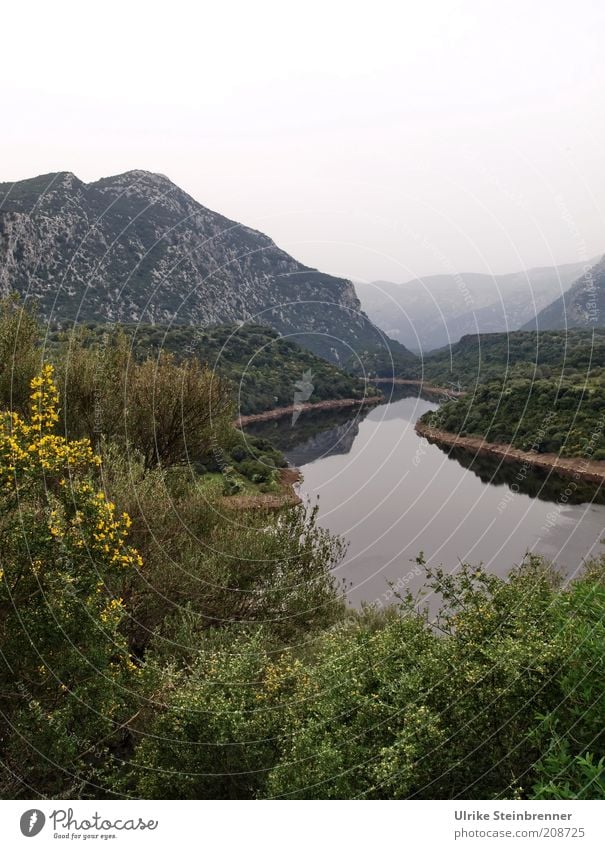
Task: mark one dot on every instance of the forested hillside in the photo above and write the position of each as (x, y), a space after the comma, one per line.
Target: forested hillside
(263, 369)
(493, 356)
(536, 391)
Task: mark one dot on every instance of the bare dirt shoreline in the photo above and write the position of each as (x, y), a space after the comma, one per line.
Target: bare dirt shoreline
(428, 388)
(335, 404)
(577, 468)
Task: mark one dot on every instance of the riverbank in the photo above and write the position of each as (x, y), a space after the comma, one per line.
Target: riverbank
(285, 497)
(335, 404)
(427, 388)
(578, 468)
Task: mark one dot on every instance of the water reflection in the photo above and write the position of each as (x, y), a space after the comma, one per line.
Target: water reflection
(315, 434)
(538, 483)
(392, 494)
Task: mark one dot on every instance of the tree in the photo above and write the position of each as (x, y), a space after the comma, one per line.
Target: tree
(176, 412)
(19, 353)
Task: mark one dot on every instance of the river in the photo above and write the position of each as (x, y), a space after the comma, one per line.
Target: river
(390, 494)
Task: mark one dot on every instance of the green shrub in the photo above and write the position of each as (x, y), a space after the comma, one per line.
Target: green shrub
(255, 471)
(402, 712)
(20, 354)
(67, 679)
(212, 736)
(572, 735)
(172, 412)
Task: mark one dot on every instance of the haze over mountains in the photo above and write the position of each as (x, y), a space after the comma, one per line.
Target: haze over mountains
(136, 248)
(435, 311)
(583, 305)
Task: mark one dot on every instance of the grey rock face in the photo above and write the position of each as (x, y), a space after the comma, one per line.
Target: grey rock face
(136, 248)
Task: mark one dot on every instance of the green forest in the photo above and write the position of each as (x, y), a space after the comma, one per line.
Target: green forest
(261, 366)
(548, 354)
(153, 647)
(543, 392)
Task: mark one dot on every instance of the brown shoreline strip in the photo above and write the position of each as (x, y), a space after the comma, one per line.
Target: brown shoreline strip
(428, 388)
(286, 497)
(335, 404)
(571, 467)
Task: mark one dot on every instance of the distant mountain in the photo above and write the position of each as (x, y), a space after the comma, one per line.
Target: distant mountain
(136, 248)
(583, 305)
(431, 312)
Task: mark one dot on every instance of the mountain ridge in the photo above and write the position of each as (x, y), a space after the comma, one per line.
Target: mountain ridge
(582, 305)
(134, 247)
(429, 312)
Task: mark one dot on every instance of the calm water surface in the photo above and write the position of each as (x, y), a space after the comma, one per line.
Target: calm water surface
(392, 495)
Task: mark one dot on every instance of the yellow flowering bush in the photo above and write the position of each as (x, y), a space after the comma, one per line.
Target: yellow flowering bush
(30, 452)
(67, 676)
(28, 447)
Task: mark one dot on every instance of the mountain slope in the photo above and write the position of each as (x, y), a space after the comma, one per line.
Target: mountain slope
(583, 305)
(430, 312)
(499, 357)
(136, 248)
(263, 368)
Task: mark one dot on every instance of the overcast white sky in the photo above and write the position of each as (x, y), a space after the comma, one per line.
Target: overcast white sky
(372, 140)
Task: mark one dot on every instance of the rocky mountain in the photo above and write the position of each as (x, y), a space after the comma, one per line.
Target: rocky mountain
(583, 305)
(136, 248)
(431, 312)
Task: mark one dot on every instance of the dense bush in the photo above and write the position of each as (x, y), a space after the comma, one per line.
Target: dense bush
(20, 354)
(170, 411)
(493, 700)
(565, 417)
(213, 729)
(248, 455)
(571, 736)
(407, 711)
(66, 675)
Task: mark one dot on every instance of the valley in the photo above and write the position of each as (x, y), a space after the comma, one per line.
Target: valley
(215, 468)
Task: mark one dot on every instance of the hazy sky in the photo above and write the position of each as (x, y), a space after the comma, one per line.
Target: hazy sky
(372, 140)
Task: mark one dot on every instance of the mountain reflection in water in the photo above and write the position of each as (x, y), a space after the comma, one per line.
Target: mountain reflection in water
(315, 434)
(391, 494)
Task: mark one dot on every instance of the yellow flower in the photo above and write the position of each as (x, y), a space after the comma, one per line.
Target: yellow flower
(31, 450)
